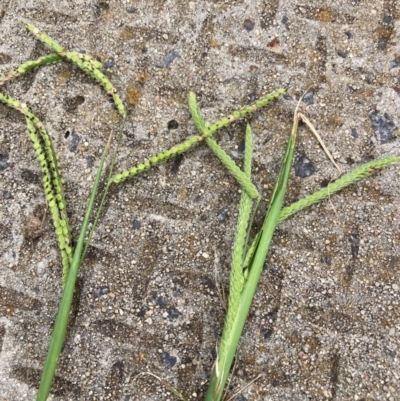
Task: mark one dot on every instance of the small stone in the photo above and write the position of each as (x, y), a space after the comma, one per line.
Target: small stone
(149, 320)
(205, 255)
(303, 167)
(222, 214)
(173, 313)
(383, 126)
(101, 291)
(168, 360)
(136, 224)
(3, 161)
(308, 98)
(7, 195)
(395, 287)
(248, 24)
(109, 63)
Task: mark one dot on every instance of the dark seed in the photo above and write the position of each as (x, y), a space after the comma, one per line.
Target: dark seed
(101, 291)
(303, 167)
(349, 34)
(168, 360)
(342, 54)
(131, 10)
(173, 124)
(248, 24)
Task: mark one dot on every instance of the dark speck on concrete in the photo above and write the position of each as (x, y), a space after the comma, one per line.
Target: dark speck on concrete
(7, 195)
(168, 360)
(3, 161)
(131, 10)
(324, 183)
(285, 21)
(267, 333)
(173, 313)
(342, 53)
(109, 63)
(29, 176)
(136, 224)
(308, 98)
(103, 290)
(354, 133)
(303, 167)
(242, 146)
(354, 244)
(394, 63)
(135, 143)
(161, 302)
(142, 311)
(382, 42)
(176, 163)
(75, 139)
(173, 124)
(248, 24)
(240, 397)
(89, 161)
(222, 214)
(383, 126)
(387, 19)
(349, 34)
(168, 59)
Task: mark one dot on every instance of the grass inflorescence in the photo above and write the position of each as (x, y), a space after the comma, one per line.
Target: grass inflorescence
(247, 258)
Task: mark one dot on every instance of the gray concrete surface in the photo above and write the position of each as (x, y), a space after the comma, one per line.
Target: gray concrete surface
(325, 323)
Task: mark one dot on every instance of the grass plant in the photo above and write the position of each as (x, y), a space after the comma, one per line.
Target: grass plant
(247, 258)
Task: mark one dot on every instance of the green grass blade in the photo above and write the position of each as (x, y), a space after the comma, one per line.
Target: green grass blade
(195, 139)
(241, 177)
(60, 326)
(357, 174)
(228, 347)
(105, 192)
